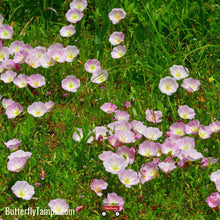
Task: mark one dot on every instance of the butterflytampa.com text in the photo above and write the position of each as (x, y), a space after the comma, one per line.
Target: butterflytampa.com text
(34, 211)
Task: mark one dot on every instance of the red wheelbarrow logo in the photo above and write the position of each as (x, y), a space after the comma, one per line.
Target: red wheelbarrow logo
(111, 207)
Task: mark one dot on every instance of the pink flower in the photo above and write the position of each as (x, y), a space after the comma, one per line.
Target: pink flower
(128, 177)
(127, 105)
(185, 112)
(153, 116)
(99, 77)
(186, 143)
(21, 81)
(213, 200)
(49, 105)
(4, 53)
(148, 149)
(215, 176)
(23, 189)
(125, 136)
(16, 164)
(7, 102)
(78, 135)
(78, 4)
(166, 167)
(20, 154)
(8, 64)
(121, 115)
(37, 109)
(6, 31)
(13, 144)
(152, 133)
(58, 206)
(21, 56)
(97, 185)
(179, 72)
(115, 163)
(47, 60)
(108, 107)
(204, 132)
(71, 53)
(16, 46)
(168, 85)
(14, 110)
(67, 31)
(100, 131)
(8, 76)
(118, 52)
(191, 154)
(33, 61)
(74, 15)
(93, 66)
(177, 128)
(70, 84)
(53, 47)
(192, 127)
(191, 85)
(116, 15)
(119, 125)
(105, 154)
(127, 153)
(215, 126)
(138, 126)
(78, 208)
(38, 51)
(169, 146)
(148, 172)
(114, 199)
(116, 38)
(59, 55)
(36, 80)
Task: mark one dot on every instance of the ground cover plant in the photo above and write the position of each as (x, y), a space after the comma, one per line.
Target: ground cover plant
(110, 102)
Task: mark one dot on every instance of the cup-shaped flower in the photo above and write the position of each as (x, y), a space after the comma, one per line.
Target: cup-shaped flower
(108, 107)
(118, 52)
(4, 53)
(205, 132)
(128, 177)
(78, 4)
(153, 116)
(215, 126)
(215, 175)
(49, 105)
(78, 135)
(116, 15)
(179, 72)
(8, 64)
(125, 136)
(168, 85)
(7, 102)
(58, 206)
(127, 153)
(67, 31)
(120, 125)
(74, 15)
(152, 133)
(20, 154)
(122, 115)
(23, 189)
(191, 154)
(105, 154)
(192, 127)
(177, 128)
(100, 131)
(21, 81)
(93, 66)
(113, 140)
(36, 80)
(16, 46)
(37, 109)
(148, 148)
(53, 47)
(21, 56)
(98, 185)
(14, 110)
(38, 51)
(191, 85)
(186, 143)
(70, 84)
(13, 144)
(33, 61)
(59, 55)
(148, 172)
(186, 112)
(6, 31)
(116, 38)
(115, 163)
(47, 60)
(71, 53)
(213, 200)
(16, 164)
(99, 77)
(169, 146)
(113, 199)
(138, 126)
(8, 76)
(166, 167)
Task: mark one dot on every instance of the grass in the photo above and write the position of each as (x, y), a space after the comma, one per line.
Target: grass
(158, 34)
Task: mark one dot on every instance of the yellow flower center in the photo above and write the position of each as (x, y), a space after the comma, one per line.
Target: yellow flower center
(115, 167)
(16, 112)
(126, 181)
(168, 87)
(178, 74)
(179, 132)
(71, 85)
(152, 172)
(5, 33)
(32, 64)
(21, 194)
(75, 17)
(37, 112)
(58, 209)
(36, 83)
(2, 55)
